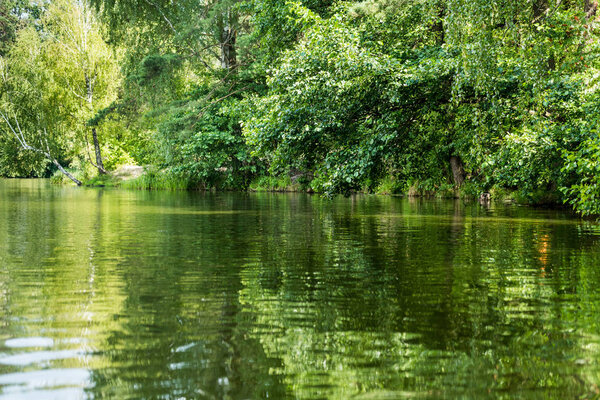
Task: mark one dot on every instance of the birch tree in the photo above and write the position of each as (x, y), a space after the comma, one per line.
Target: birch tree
(33, 111)
(56, 77)
(85, 64)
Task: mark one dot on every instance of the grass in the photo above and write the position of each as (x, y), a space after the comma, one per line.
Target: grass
(389, 185)
(159, 180)
(102, 181)
(58, 178)
(155, 179)
(152, 179)
(275, 184)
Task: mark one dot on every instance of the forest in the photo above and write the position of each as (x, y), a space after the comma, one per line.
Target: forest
(418, 97)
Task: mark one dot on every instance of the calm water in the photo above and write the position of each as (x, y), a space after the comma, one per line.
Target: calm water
(127, 294)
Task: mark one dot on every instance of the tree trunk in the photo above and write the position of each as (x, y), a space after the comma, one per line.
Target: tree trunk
(228, 42)
(590, 7)
(438, 26)
(65, 172)
(228, 51)
(99, 163)
(458, 172)
(89, 83)
(539, 8)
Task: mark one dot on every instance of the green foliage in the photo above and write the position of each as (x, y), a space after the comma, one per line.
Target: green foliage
(154, 66)
(584, 195)
(154, 179)
(273, 184)
(29, 95)
(57, 74)
(389, 185)
(321, 114)
(277, 25)
(58, 178)
(15, 14)
(16, 162)
(103, 180)
(8, 23)
(205, 143)
(374, 96)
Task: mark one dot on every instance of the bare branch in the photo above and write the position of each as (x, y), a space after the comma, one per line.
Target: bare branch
(19, 128)
(203, 111)
(162, 13)
(548, 13)
(5, 118)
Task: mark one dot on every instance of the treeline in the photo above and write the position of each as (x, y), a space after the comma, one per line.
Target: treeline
(420, 96)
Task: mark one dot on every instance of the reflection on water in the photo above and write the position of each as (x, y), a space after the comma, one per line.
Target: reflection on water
(123, 294)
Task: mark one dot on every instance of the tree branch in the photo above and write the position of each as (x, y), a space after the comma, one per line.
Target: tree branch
(547, 13)
(163, 14)
(87, 149)
(203, 111)
(21, 139)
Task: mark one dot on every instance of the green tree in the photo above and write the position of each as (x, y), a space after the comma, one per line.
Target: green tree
(56, 76)
(83, 62)
(33, 108)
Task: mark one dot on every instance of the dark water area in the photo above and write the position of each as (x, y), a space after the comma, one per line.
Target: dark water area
(158, 295)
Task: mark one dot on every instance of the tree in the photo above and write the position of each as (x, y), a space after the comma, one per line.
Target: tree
(190, 28)
(84, 62)
(186, 63)
(32, 108)
(8, 24)
(16, 14)
(57, 76)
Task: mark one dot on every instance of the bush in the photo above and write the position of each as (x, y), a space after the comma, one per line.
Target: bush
(154, 179)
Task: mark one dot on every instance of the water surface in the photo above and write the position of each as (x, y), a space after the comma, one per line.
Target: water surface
(133, 294)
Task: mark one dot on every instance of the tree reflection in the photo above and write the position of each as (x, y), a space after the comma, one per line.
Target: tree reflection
(255, 296)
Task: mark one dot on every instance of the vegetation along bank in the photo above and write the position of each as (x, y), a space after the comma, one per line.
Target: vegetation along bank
(392, 96)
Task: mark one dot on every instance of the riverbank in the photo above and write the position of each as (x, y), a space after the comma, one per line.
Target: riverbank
(151, 178)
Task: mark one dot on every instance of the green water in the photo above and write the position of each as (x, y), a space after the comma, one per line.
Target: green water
(133, 294)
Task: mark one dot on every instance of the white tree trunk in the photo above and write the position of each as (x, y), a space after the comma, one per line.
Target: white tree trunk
(18, 134)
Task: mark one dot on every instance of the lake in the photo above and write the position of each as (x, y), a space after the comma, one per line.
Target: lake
(109, 293)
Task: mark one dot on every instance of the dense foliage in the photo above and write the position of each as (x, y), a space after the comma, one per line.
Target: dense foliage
(447, 96)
